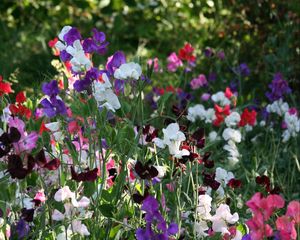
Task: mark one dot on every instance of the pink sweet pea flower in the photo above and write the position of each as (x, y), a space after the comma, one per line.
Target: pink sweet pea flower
(155, 63)
(286, 228)
(173, 62)
(293, 211)
(258, 228)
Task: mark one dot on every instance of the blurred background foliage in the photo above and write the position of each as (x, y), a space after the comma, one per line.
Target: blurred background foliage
(262, 33)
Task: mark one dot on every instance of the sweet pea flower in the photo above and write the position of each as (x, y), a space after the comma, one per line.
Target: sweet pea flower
(173, 62)
(172, 138)
(79, 58)
(222, 218)
(198, 82)
(129, 70)
(232, 134)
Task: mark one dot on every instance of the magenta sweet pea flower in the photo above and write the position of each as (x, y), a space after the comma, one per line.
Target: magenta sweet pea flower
(174, 62)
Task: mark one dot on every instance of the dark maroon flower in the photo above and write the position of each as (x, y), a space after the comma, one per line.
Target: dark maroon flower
(53, 164)
(263, 180)
(6, 140)
(234, 183)
(112, 173)
(138, 198)
(209, 180)
(27, 214)
(15, 167)
(199, 138)
(145, 171)
(87, 176)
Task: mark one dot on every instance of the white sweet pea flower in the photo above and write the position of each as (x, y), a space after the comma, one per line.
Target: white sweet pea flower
(223, 177)
(198, 111)
(79, 227)
(232, 134)
(161, 171)
(64, 194)
(204, 206)
(57, 215)
(129, 70)
(233, 152)
(293, 126)
(79, 59)
(233, 119)
(104, 95)
(172, 138)
(213, 136)
(63, 32)
(53, 126)
(222, 218)
(220, 98)
(200, 228)
(279, 107)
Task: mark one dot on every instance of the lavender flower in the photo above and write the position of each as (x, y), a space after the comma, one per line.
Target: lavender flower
(53, 107)
(243, 70)
(96, 44)
(22, 229)
(115, 62)
(51, 88)
(71, 36)
(153, 217)
(279, 87)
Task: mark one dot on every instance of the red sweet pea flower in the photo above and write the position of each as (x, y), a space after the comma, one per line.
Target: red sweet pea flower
(5, 88)
(18, 108)
(228, 93)
(186, 53)
(20, 98)
(220, 113)
(248, 117)
(52, 42)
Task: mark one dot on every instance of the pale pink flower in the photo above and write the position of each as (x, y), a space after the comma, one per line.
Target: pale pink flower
(173, 62)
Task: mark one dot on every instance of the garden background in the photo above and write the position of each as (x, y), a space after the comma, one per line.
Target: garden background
(264, 34)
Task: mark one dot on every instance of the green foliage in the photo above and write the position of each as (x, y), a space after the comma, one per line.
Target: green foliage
(262, 33)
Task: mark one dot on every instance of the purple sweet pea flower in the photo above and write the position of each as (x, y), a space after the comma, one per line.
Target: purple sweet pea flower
(205, 97)
(95, 44)
(153, 217)
(53, 107)
(119, 86)
(99, 37)
(71, 36)
(51, 88)
(243, 70)
(173, 229)
(115, 61)
(246, 237)
(221, 55)
(22, 229)
(64, 56)
(279, 87)
(208, 52)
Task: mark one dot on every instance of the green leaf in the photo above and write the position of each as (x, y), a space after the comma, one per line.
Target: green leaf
(106, 210)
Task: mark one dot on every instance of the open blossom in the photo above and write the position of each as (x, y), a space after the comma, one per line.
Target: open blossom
(5, 88)
(198, 82)
(198, 111)
(233, 152)
(222, 218)
(232, 134)
(186, 53)
(292, 123)
(279, 107)
(104, 95)
(79, 60)
(279, 87)
(248, 118)
(172, 138)
(174, 62)
(155, 63)
(129, 70)
(232, 119)
(221, 98)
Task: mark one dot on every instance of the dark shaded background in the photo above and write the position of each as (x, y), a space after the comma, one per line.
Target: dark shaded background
(262, 33)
